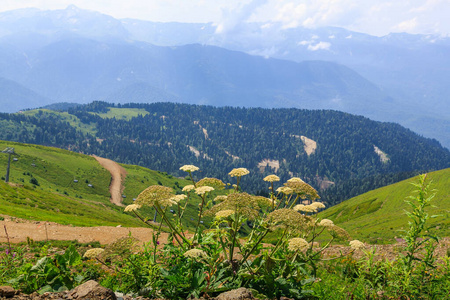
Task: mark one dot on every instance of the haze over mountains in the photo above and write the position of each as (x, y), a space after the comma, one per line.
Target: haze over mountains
(74, 55)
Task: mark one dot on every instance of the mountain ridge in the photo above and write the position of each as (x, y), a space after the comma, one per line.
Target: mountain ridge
(408, 70)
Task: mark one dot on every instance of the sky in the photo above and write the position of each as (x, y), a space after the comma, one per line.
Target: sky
(375, 17)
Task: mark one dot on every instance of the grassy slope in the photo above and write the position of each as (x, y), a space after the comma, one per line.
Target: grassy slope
(379, 215)
(65, 116)
(113, 112)
(59, 199)
(122, 113)
(139, 178)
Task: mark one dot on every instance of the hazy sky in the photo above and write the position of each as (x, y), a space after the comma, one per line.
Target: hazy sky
(376, 17)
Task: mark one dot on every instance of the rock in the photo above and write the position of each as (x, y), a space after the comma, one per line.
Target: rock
(7, 291)
(238, 294)
(91, 290)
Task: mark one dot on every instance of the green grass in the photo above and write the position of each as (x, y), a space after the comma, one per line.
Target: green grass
(74, 121)
(122, 113)
(139, 178)
(56, 171)
(379, 216)
(113, 112)
(29, 203)
(58, 198)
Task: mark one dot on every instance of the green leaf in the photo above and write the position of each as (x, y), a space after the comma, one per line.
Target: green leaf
(46, 289)
(40, 264)
(72, 256)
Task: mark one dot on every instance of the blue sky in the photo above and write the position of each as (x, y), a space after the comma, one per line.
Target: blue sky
(376, 17)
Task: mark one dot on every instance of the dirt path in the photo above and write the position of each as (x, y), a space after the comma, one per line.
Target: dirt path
(118, 174)
(19, 230)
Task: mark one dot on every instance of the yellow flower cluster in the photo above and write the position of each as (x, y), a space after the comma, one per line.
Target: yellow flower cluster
(203, 189)
(178, 198)
(317, 205)
(156, 194)
(188, 188)
(289, 218)
(189, 168)
(195, 253)
(238, 172)
(224, 213)
(301, 188)
(220, 198)
(295, 179)
(263, 201)
(242, 203)
(313, 207)
(285, 190)
(132, 207)
(122, 248)
(297, 244)
(217, 184)
(338, 232)
(271, 178)
(356, 245)
(304, 208)
(93, 253)
(326, 223)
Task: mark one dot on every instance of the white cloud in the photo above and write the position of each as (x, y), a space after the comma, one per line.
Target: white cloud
(290, 13)
(313, 46)
(304, 43)
(319, 46)
(266, 53)
(377, 17)
(406, 26)
(232, 18)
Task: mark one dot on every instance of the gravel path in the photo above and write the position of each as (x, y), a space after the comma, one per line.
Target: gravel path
(118, 173)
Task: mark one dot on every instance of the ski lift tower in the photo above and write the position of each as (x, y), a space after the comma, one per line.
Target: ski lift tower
(10, 151)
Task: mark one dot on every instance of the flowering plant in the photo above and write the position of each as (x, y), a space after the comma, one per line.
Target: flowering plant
(232, 253)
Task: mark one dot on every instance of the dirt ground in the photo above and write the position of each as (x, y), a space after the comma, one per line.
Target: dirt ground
(118, 173)
(19, 230)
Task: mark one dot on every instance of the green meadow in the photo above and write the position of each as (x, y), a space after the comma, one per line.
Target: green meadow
(70, 188)
(122, 113)
(379, 216)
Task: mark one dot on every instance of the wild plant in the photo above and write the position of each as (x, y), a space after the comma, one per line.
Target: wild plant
(11, 258)
(415, 274)
(50, 274)
(232, 253)
(419, 260)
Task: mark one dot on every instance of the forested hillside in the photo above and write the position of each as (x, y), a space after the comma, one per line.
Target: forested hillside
(324, 147)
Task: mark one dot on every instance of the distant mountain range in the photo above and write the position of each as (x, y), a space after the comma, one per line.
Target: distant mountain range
(74, 55)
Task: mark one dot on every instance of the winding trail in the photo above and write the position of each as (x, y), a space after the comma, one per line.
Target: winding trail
(118, 173)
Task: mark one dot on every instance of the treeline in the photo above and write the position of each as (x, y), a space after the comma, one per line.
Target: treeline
(219, 139)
